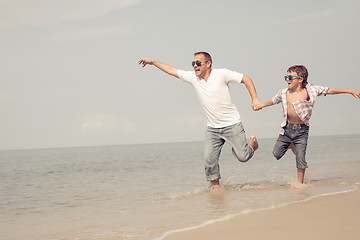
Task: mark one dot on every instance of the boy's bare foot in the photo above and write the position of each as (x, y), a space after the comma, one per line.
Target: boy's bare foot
(292, 147)
(253, 143)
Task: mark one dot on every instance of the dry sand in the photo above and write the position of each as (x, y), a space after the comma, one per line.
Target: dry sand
(327, 217)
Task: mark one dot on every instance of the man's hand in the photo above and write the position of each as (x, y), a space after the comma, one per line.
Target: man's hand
(162, 66)
(256, 106)
(146, 61)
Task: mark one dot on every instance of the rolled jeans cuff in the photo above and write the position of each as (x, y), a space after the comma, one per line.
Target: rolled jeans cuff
(213, 177)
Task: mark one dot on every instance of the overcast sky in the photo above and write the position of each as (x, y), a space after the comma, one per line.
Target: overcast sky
(69, 73)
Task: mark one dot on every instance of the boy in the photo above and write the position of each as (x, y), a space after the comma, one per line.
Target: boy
(297, 102)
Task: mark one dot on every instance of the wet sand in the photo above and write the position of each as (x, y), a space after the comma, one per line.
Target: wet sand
(326, 217)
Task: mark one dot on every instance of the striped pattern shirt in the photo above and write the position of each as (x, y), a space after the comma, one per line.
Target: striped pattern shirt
(303, 108)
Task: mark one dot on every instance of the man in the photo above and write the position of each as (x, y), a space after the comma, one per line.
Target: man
(224, 122)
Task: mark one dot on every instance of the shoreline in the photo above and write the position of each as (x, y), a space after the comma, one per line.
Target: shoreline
(330, 216)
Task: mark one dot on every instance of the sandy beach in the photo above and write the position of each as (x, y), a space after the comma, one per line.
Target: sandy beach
(326, 217)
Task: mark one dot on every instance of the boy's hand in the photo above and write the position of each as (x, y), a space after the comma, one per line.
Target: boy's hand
(356, 94)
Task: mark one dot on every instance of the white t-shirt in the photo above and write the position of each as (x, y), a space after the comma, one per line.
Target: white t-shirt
(214, 95)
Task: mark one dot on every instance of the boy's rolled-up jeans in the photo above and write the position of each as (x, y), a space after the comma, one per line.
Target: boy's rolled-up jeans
(297, 134)
(214, 141)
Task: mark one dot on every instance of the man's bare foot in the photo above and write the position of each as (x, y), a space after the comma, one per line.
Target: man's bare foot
(253, 143)
(301, 175)
(215, 184)
(292, 147)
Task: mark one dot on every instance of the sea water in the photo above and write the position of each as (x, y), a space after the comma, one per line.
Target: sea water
(143, 192)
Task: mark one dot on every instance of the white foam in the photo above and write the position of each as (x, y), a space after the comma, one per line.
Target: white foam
(195, 227)
(314, 197)
(189, 194)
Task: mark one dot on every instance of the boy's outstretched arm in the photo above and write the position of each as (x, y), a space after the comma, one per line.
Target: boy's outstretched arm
(251, 88)
(333, 91)
(262, 105)
(162, 66)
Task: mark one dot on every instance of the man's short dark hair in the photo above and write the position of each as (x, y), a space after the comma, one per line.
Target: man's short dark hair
(206, 55)
(300, 71)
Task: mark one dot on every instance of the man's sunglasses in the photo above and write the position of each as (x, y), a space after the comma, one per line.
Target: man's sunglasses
(291, 77)
(198, 63)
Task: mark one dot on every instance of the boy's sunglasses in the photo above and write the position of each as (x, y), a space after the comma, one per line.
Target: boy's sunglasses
(291, 77)
(198, 63)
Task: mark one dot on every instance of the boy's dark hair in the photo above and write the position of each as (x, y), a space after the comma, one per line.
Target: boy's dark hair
(300, 71)
(206, 55)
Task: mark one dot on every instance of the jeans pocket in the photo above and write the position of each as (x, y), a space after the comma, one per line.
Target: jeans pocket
(239, 127)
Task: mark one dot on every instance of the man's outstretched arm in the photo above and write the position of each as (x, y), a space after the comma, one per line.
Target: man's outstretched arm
(162, 66)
